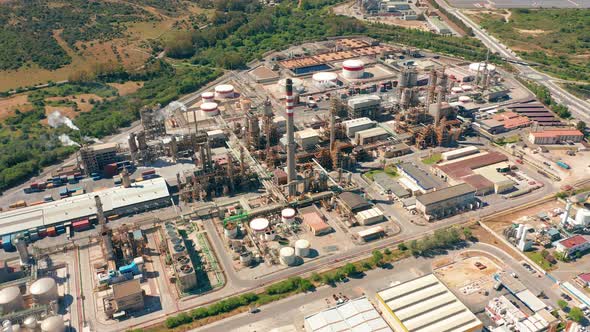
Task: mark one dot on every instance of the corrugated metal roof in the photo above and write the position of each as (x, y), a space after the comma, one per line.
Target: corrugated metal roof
(445, 193)
(357, 315)
(420, 176)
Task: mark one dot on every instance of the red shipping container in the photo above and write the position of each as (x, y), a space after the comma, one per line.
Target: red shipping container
(34, 185)
(81, 225)
(42, 185)
(110, 170)
(51, 231)
(149, 172)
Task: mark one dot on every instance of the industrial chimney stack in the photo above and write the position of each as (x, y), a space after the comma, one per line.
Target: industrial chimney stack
(291, 172)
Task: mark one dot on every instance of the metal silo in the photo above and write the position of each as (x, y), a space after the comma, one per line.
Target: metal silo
(44, 290)
(11, 299)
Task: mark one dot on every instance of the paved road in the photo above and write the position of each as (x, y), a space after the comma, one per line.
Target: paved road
(578, 107)
(291, 311)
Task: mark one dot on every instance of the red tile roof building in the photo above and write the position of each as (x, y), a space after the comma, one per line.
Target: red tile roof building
(556, 136)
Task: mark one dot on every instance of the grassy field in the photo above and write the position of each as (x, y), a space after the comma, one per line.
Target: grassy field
(580, 90)
(389, 170)
(557, 39)
(536, 257)
(435, 158)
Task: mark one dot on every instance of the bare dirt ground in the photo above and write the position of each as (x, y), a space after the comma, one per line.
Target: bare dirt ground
(81, 100)
(500, 223)
(420, 25)
(484, 236)
(9, 105)
(127, 87)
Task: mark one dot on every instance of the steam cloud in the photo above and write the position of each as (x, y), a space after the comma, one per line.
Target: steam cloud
(56, 119)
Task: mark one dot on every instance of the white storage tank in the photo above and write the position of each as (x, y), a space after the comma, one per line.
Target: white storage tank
(466, 87)
(224, 91)
(288, 216)
(259, 225)
(208, 97)
(481, 66)
(582, 217)
(464, 99)
(456, 89)
(11, 299)
(353, 69)
(245, 259)
(209, 109)
(230, 230)
(325, 79)
(269, 236)
(298, 84)
(44, 290)
(30, 323)
(302, 247)
(288, 256)
(53, 324)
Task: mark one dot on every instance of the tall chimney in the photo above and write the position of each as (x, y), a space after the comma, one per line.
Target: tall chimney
(291, 172)
(333, 110)
(125, 178)
(99, 211)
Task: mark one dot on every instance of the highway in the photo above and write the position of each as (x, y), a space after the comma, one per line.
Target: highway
(579, 108)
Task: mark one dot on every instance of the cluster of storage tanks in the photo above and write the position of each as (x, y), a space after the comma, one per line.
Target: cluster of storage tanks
(290, 255)
(43, 292)
(209, 107)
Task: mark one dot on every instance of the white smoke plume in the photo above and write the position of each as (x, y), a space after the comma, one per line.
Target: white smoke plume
(55, 120)
(67, 141)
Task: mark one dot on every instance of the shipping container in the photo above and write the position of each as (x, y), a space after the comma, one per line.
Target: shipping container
(148, 172)
(69, 231)
(51, 231)
(34, 185)
(563, 165)
(6, 243)
(48, 198)
(50, 185)
(18, 204)
(34, 236)
(42, 185)
(36, 203)
(149, 176)
(81, 225)
(42, 232)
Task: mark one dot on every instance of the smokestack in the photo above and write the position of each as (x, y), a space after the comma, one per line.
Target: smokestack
(125, 179)
(291, 172)
(99, 211)
(333, 107)
(23, 252)
(566, 214)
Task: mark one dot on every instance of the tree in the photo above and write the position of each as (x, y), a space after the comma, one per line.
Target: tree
(315, 277)
(349, 269)
(562, 304)
(467, 233)
(402, 247)
(387, 251)
(576, 314)
(377, 257)
(581, 126)
(305, 285)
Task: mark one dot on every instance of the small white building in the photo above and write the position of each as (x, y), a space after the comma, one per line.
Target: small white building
(355, 125)
(370, 216)
(307, 138)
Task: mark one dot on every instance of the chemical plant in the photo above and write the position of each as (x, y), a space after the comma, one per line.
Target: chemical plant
(314, 154)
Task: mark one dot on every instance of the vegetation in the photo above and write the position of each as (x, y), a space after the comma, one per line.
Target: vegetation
(453, 18)
(540, 260)
(432, 159)
(557, 39)
(544, 96)
(390, 170)
(576, 314)
(562, 304)
(579, 90)
(442, 239)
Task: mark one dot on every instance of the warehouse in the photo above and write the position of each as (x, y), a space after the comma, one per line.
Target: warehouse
(369, 136)
(354, 315)
(307, 138)
(372, 233)
(315, 223)
(417, 178)
(556, 136)
(453, 171)
(389, 185)
(370, 216)
(151, 194)
(425, 304)
(352, 202)
(501, 183)
(447, 202)
(572, 245)
(355, 125)
(458, 153)
(364, 106)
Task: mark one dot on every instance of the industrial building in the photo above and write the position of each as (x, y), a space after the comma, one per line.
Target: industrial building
(315, 223)
(151, 194)
(127, 295)
(353, 126)
(354, 315)
(572, 245)
(93, 158)
(447, 201)
(425, 304)
(389, 185)
(458, 153)
(370, 216)
(372, 233)
(556, 136)
(504, 313)
(353, 203)
(369, 136)
(418, 180)
(364, 106)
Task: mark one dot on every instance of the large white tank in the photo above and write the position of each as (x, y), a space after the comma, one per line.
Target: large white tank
(288, 256)
(208, 97)
(582, 218)
(230, 230)
(44, 290)
(30, 323)
(224, 91)
(245, 258)
(298, 84)
(353, 69)
(11, 299)
(456, 89)
(464, 99)
(259, 225)
(288, 215)
(466, 87)
(302, 248)
(209, 109)
(325, 79)
(53, 324)
(477, 66)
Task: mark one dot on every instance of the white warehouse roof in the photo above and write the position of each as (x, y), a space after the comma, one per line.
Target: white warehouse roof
(357, 315)
(82, 206)
(425, 304)
(357, 122)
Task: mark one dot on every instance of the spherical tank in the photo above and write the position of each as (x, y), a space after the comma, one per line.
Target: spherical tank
(208, 97)
(224, 91)
(302, 248)
(259, 225)
(53, 324)
(44, 290)
(288, 255)
(582, 217)
(11, 299)
(353, 69)
(288, 215)
(209, 109)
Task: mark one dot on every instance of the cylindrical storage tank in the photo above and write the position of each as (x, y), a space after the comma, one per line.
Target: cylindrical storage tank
(224, 91)
(30, 323)
(209, 109)
(288, 256)
(582, 217)
(245, 104)
(208, 97)
(230, 230)
(325, 79)
(245, 259)
(53, 324)
(269, 235)
(466, 87)
(481, 66)
(456, 89)
(464, 99)
(353, 69)
(288, 215)
(298, 84)
(44, 290)
(259, 225)
(302, 248)
(11, 299)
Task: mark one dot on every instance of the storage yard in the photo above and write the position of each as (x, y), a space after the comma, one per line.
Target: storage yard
(314, 154)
